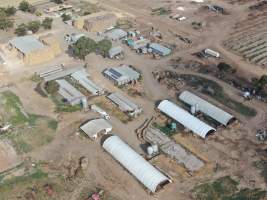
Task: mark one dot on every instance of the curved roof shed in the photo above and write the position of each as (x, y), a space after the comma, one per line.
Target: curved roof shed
(142, 170)
(206, 107)
(185, 118)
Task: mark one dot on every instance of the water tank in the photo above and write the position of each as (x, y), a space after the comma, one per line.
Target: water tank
(150, 150)
(84, 103)
(155, 148)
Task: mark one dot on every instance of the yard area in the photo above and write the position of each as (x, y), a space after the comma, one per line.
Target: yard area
(28, 131)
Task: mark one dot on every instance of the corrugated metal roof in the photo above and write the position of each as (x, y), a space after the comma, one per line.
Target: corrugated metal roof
(62, 74)
(115, 51)
(68, 91)
(81, 77)
(206, 107)
(26, 44)
(124, 103)
(142, 170)
(159, 48)
(93, 127)
(186, 119)
(116, 34)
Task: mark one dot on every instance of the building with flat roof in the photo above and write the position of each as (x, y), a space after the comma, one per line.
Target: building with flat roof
(115, 51)
(96, 22)
(159, 49)
(125, 104)
(34, 51)
(116, 34)
(121, 75)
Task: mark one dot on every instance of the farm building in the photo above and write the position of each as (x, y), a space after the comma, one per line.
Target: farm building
(121, 75)
(96, 22)
(124, 104)
(159, 49)
(33, 51)
(116, 34)
(138, 44)
(141, 169)
(70, 93)
(205, 107)
(115, 51)
(186, 119)
(82, 78)
(95, 127)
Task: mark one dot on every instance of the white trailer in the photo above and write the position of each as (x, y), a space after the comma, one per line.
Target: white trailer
(212, 53)
(99, 110)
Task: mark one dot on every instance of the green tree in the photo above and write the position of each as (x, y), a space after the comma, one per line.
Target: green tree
(34, 26)
(65, 17)
(52, 87)
(21, 29)
(25, 6)
(104, 46)
(47, 23)
(5, 22)
(10, 11)
(83, 47)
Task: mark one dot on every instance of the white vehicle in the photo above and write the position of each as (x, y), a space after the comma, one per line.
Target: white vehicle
(99, 110)
(182, 18)
(212, 53)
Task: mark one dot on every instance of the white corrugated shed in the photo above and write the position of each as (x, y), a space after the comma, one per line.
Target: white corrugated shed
(82, 78)
(206, 107)
(142, 170)
(185, 118)
(95, 126)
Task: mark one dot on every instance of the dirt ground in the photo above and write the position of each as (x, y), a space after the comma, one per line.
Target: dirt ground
(234, 149)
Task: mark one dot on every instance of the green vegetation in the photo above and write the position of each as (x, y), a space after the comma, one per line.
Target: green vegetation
(34, 26)
(29, 131)
(9, 11)
(47, 23)
(124, 24)
(104, 46)
(215, 91)
(65, 17)
(25, 6)
(5, 22)
(260, 83)
(65, 107)
(52, 87)
(36, 78)
(224, 67)
(21, 29)
(57, 1)
(226, 188)
(84, 46)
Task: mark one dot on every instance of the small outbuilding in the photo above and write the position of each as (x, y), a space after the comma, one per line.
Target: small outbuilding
(185, 118)
(141, 169)
(82, 78)
(115, 51)
(205, 107)
(116, 34)
(121, 75)
(125, 104)
(160, 49)
(95, 127)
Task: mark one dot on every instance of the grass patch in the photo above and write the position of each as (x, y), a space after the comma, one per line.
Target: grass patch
(160, 11)
(36, 78)
(64, 107)
(226, 188)
(215, 91)
(29, 131)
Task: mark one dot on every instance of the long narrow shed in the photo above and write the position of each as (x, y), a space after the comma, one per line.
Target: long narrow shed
(141, 169)
(206, 107)
(185, 118)
(82, 78)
